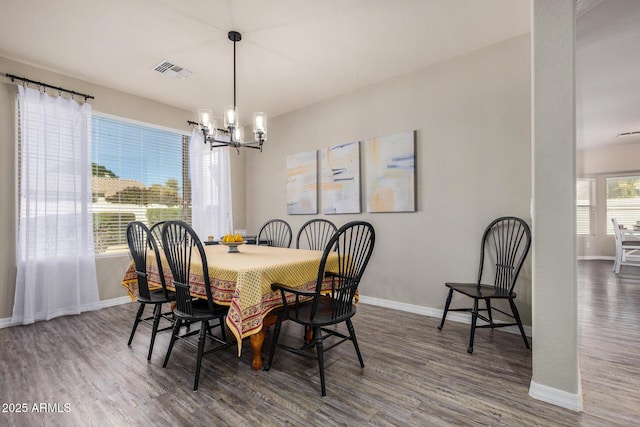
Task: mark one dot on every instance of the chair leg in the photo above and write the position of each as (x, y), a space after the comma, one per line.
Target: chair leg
(488, 302)
(516, 315)
(274, 342)
(320, 353)
(203, 334)
(157, 311)
(474, 319)
(446, 308)
(135, 324)
(174, 335)
(223, 333)
(352, 332)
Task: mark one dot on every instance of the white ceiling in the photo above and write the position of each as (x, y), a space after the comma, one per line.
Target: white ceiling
(608, 73)
(293, 52)
(296, 53)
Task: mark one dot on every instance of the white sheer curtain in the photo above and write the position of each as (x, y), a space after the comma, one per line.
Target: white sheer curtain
(210, 188)
(56, 266)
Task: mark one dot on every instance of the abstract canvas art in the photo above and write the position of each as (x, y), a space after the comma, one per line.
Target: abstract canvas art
(302, 183)
(340, 179)
(390, 173)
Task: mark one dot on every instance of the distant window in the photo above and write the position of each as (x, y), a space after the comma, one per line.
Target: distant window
(623, 201)
(585, 209)
(140, 172)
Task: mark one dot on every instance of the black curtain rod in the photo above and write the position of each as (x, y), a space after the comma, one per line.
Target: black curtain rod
(40, 84)
(192, 123)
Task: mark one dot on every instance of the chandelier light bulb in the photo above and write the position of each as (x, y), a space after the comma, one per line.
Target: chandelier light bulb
(238, 134)
(260, 125)
(204, 117)
(230, 117)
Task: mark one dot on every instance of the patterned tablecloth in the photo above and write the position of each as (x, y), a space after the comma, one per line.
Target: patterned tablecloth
(243, 280)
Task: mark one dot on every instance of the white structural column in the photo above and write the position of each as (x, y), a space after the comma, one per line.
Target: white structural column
(556, 371)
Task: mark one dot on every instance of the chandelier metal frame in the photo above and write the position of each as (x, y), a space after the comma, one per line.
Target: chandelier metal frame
(232, 133)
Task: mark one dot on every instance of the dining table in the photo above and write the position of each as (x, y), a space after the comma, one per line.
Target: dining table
(242, 280)
(630, 234)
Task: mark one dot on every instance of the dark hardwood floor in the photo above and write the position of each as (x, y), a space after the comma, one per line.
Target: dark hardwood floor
(414, 376)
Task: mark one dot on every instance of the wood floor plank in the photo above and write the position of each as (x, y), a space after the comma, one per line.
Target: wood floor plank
(82, 370)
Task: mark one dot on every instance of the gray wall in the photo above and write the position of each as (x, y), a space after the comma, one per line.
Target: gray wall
(110, 269)
(472, 122)
(472, 117)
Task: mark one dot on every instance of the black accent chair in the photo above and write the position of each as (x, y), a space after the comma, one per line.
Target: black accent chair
(353, 243)
(277, 232)
(141, 242)
(505, 244)
(314, 234)
(180, 242)
(156, 232)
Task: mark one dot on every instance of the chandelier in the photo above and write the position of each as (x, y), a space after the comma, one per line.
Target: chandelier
(232, 134)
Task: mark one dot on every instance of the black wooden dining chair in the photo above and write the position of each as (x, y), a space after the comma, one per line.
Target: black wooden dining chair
(505, 245)
(277, 232)
(141, 241)
(352, 244)
(181, 244)
(314, 234)
(156, 232)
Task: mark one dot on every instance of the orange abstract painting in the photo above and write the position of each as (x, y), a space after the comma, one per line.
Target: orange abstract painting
(390, 173)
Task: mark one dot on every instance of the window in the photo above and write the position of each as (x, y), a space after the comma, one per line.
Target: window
(623, 201)
(585, 209)
(140, 172)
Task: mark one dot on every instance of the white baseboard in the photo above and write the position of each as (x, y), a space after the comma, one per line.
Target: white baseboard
(556, 397)
(115, 301)
(6, 322)
(595, 257)
(433, 312)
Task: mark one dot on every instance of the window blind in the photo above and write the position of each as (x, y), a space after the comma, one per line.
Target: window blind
(140, 173)
(585, 209)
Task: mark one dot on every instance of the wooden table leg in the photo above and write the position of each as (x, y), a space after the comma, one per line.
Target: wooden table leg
(256, 345)
(258, 339)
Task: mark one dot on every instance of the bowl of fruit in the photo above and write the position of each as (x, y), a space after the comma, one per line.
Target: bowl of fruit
(232, 241)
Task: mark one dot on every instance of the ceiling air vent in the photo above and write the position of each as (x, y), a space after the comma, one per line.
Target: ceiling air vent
(632, 133)
(171, 70)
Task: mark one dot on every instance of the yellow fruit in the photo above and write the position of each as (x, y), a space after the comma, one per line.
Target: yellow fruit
(238, 238)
